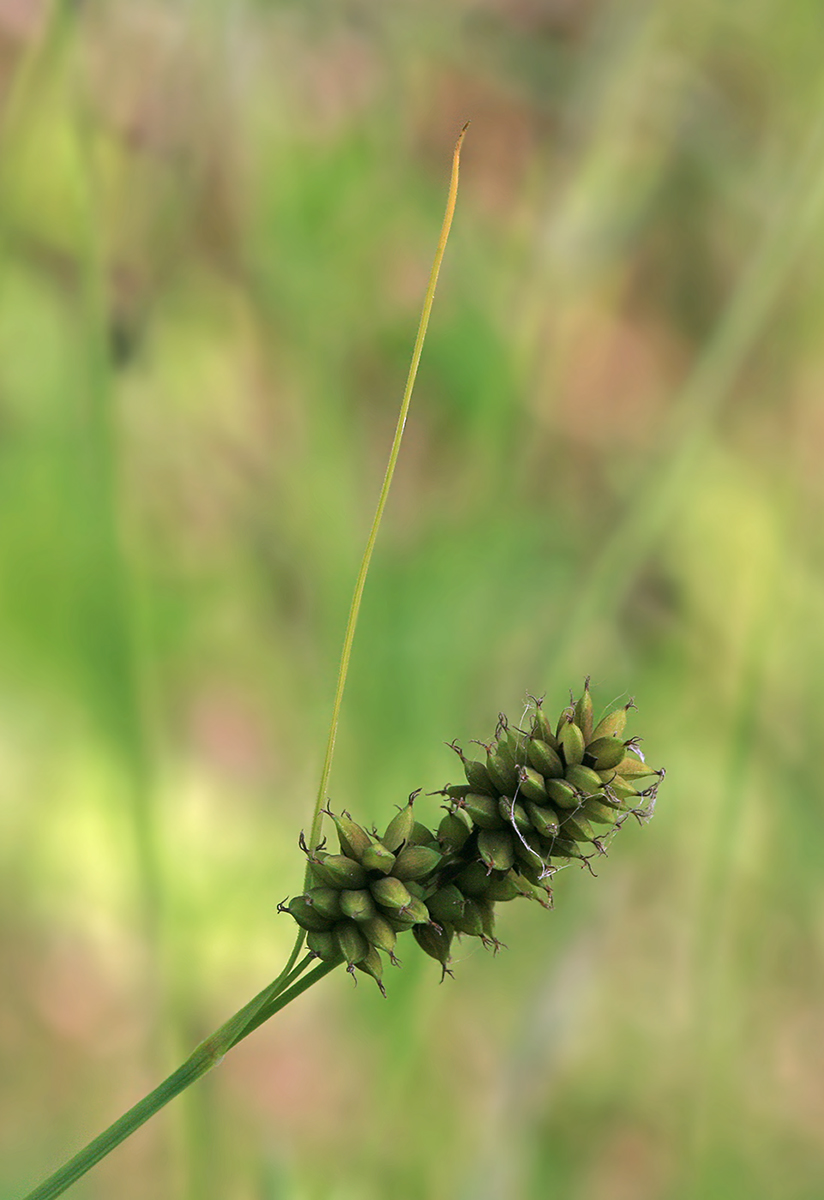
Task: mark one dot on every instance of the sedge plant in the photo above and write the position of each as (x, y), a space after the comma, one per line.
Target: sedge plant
(543, 794)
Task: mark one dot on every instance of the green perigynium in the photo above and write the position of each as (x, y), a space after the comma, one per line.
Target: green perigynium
(539, 797)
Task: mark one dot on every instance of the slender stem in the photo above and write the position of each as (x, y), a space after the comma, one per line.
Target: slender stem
(291, 982)
(354, 609)
(284, 998)
(287, 987)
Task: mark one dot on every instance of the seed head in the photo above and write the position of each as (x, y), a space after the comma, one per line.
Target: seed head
(539, 799)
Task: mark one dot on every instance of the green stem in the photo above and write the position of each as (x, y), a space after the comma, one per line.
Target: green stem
(289, 984)
(349, 636)
(284, 998)
(282, 991)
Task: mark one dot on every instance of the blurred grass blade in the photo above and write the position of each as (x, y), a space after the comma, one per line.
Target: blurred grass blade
(668, 480)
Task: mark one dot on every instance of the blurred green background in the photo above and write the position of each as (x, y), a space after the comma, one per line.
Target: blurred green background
(216, 224)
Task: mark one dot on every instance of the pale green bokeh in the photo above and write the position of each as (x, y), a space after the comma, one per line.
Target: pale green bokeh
(216, 228)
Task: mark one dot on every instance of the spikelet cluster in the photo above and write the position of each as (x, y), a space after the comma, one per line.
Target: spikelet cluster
(537, 799)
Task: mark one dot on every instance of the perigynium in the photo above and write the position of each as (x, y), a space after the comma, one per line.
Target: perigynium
(539, 798)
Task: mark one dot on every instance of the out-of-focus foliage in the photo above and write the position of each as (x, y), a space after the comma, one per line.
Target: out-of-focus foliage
(216, 223)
